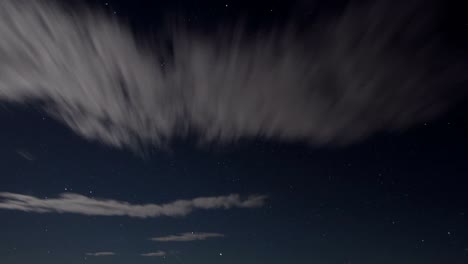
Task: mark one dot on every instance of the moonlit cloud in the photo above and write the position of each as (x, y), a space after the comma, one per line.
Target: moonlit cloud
(154, 254)
(100, 254)
(371, 69)
(185, 237)
(79, 204)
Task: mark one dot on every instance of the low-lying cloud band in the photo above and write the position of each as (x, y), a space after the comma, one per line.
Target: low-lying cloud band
(79, 204)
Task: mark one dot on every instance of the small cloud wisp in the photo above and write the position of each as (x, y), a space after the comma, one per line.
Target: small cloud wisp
(186, 237)
(154, 254)
(100, 254)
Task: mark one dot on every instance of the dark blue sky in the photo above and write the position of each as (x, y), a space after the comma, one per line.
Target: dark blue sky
(397, 198)
(394, 197)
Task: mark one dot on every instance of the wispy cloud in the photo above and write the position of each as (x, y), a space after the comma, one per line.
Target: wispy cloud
(367, 71)
(100, 254)
(26, 155)
(185, 237)
(154, 254)
(79, 204)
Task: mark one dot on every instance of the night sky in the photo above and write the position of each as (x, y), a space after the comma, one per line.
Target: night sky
(393, 194)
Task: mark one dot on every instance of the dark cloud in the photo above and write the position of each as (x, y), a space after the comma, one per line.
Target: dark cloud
(154, 254)
(335, 81)
(186, 237)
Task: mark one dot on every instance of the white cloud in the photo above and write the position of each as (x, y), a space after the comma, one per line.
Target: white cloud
(79, 204)
(365, 72)
(100, 254)
(154, 254)
(185, 237)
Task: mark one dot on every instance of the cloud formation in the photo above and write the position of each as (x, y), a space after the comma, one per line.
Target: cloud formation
(79, 204)
(185, 237)
(154, 254)
(373, 68)
(101, 254)
(25, 155)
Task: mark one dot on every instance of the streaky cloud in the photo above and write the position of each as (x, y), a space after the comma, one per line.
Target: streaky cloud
(186, 237)
(79, 204)
(154, 254)
(375, 67)
(101, 254)
(25, 155)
